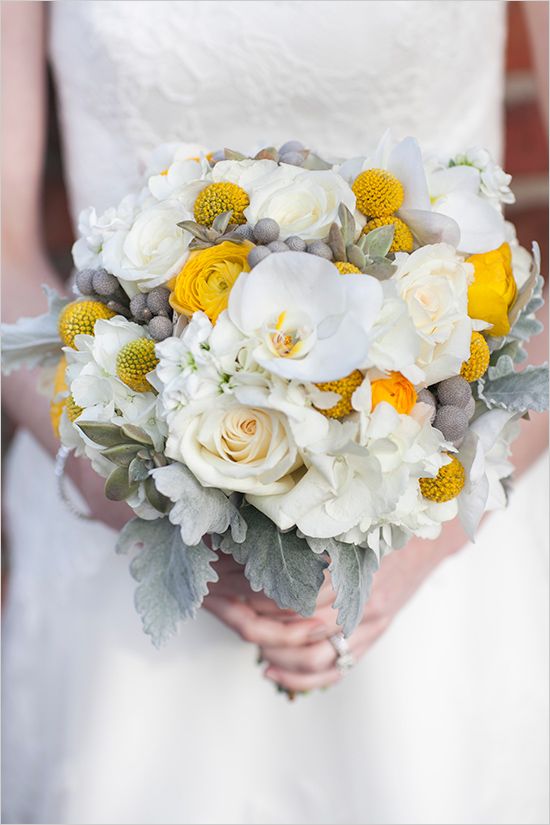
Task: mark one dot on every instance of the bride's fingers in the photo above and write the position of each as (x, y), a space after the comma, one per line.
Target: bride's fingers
(260, 630)
(302, 681)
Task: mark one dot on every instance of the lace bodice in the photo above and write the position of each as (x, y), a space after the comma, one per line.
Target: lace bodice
(335, 75)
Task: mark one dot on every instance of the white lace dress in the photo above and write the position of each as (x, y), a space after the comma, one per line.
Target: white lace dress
(444, 720)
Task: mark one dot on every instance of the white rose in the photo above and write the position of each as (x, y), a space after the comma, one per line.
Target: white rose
(433, 282)
(234, 447)
(303, 202)
(152, 250)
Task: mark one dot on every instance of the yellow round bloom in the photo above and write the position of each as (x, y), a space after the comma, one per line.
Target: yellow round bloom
(378, 193)
(396, 390)
(345, 387)
(134, 361)
(447, 484)
(493, 290)
(58, 400)
(218, 198)
(403, 240)
(79, 317)
(345, 268)
(206, 279)
(477, 363)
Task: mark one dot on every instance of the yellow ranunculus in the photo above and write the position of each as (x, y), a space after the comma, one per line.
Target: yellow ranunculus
(57, 403)
(396, 390)
(206, 279)
(494, 289)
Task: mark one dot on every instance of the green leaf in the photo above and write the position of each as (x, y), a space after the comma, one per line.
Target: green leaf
(33, 342)
(137, 434)
(172, 578)
(221, 221)
(355, 256)
(197, 510)
(280, 564)
(347, 221)
(378, 242)
(315, 163)
(515, 391)
(118, 486)
(138, 470)
(155, 499)
(121, 454)
(230, 154)
(352, 569)
(106, 435)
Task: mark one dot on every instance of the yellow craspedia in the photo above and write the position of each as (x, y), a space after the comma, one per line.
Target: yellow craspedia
(218, 198)
(345, 268)
(395, 390)
(378, 193)
(493, 290)
(447, 484)
(477, 363)
(79, 318)
(206, 279)
(403, 240)
(134, 361)
(73, 410)
(345, 387)
(58, 400)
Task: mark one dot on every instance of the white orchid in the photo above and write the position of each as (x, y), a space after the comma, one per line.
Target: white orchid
(309, 322)
(403, 159)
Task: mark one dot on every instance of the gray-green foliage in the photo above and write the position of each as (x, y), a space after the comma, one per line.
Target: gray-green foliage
(172, 577)
(197, 510)
(280, 564)
(503, 387)
(352, 569)
(33, 342)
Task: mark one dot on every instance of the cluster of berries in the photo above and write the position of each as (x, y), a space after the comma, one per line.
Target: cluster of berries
(453, 406)
(152, 308)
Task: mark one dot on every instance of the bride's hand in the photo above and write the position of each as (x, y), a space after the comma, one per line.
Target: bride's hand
(313, 665)
(256, 618)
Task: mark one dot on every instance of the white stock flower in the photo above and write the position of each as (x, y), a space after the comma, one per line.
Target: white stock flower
(395, 342)
(484, 453)
(494, 182)
(94, 231)
(234, 447)
(152, 250)
(309, 322)
(433, 281)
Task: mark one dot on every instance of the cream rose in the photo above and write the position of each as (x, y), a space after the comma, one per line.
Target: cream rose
(433, 282)
(152, 250)
(303, 202)
(235, 447)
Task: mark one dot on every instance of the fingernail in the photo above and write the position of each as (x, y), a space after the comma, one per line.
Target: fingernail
(318, 633)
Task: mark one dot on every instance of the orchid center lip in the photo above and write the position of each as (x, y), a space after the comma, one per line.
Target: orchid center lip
(290, 335)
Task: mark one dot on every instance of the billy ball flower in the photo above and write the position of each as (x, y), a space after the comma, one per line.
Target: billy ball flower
(207, 277)
(395, 390)
(478, 362)
(345, 268)
(378, 193)
(447, 484)
(218, 198)
(79, 317)
(345, 387)
(403, 240)
(134, 361)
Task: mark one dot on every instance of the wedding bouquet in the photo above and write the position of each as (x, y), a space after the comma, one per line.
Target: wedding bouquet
(307, 362)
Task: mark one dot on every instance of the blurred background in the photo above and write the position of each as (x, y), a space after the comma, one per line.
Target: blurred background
(526, 158)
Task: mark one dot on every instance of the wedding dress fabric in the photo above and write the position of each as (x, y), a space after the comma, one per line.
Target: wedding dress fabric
(444, 720)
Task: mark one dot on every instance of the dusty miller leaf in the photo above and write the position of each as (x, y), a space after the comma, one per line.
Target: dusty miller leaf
(377, 243)
(352, 569)
(172, 578)
(33, 342)
(514, 391)
(197, 510)
(280, 564)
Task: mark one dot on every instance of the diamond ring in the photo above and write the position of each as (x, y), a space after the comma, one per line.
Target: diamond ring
(344, 659)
